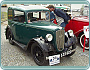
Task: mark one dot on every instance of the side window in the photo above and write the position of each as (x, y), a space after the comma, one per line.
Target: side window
(33, 16)
(19, 16)
(10, 14)
(38, 16)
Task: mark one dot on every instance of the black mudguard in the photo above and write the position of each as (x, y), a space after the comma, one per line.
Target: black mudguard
(47, 47)
(8, 27)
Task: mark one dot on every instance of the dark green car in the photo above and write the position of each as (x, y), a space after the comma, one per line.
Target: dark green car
(30, 28)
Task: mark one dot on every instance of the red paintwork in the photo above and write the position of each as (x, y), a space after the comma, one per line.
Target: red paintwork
(76, 24)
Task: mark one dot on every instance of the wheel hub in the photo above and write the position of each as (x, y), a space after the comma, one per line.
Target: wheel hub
(86, 41)
(36, 54)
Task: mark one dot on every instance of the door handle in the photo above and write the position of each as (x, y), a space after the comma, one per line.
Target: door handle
(13, 24)
(18, 24)
(27, 27)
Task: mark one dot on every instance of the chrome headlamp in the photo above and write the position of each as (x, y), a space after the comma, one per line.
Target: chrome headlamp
(71, 33)
(49, 37)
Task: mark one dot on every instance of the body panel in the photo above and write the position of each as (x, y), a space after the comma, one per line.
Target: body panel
(76, 24)
(23, 33)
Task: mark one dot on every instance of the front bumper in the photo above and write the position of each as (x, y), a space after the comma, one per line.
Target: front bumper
(67, 52)
(64, 53)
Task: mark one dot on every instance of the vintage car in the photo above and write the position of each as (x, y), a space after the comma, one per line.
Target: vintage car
(30, 28)
(77, 25)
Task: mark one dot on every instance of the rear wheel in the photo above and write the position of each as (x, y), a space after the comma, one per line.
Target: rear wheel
(10, 37)
(81, 40)
(39, 55)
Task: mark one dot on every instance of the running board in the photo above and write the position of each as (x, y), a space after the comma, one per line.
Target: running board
(20, 44)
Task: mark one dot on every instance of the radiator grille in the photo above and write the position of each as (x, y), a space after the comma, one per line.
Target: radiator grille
(60, 39)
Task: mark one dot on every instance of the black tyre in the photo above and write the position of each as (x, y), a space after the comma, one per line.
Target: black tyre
(81, 41)
(73, 47)
(10, 37)
(39, 55)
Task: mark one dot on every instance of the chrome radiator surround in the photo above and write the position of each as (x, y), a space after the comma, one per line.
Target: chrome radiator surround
(60, 39)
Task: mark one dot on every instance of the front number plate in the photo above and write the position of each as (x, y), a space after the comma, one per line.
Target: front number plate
(55, 59)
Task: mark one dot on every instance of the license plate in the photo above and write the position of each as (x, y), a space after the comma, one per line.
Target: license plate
(55, 59)
(68, 52)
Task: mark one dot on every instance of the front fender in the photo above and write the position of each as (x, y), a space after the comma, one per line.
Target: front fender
(6, 29)
(47, 47)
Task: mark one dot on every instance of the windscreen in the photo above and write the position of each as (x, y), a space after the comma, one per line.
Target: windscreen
(38, 16)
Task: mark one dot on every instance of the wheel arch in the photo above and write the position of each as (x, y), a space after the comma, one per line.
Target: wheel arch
(45, 47)
(6, 32)
(82, 43)
(80, 33)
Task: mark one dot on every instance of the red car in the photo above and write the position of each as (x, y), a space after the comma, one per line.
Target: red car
(76, 24)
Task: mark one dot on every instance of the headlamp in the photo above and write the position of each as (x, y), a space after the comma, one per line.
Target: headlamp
(49, 37)
(71, 33)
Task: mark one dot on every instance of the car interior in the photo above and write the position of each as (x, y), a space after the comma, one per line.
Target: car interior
(20, 18)
(37, 16)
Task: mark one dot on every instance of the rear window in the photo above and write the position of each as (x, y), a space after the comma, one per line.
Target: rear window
(10, 14)
(19, 16)
(18, 13)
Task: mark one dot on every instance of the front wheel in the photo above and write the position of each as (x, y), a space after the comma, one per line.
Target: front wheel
(82, 41)
(39, 55)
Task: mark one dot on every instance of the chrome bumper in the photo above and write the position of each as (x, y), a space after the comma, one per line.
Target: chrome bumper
(67, 52)
(64, 53)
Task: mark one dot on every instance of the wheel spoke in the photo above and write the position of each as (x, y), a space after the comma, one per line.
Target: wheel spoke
(86, 42)
(38, 54)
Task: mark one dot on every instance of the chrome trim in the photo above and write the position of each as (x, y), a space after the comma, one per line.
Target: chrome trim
(60, 39)
(78, 31)
(67, 52)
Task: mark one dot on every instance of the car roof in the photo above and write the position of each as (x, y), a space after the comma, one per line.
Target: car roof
(28, 7)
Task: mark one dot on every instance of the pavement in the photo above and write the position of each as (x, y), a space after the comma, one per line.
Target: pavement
(13, 55)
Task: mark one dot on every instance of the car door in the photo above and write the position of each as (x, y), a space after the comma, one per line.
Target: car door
(11, 22)
(18, 24)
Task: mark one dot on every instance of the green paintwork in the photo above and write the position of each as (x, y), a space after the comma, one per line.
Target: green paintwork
(24, 32)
